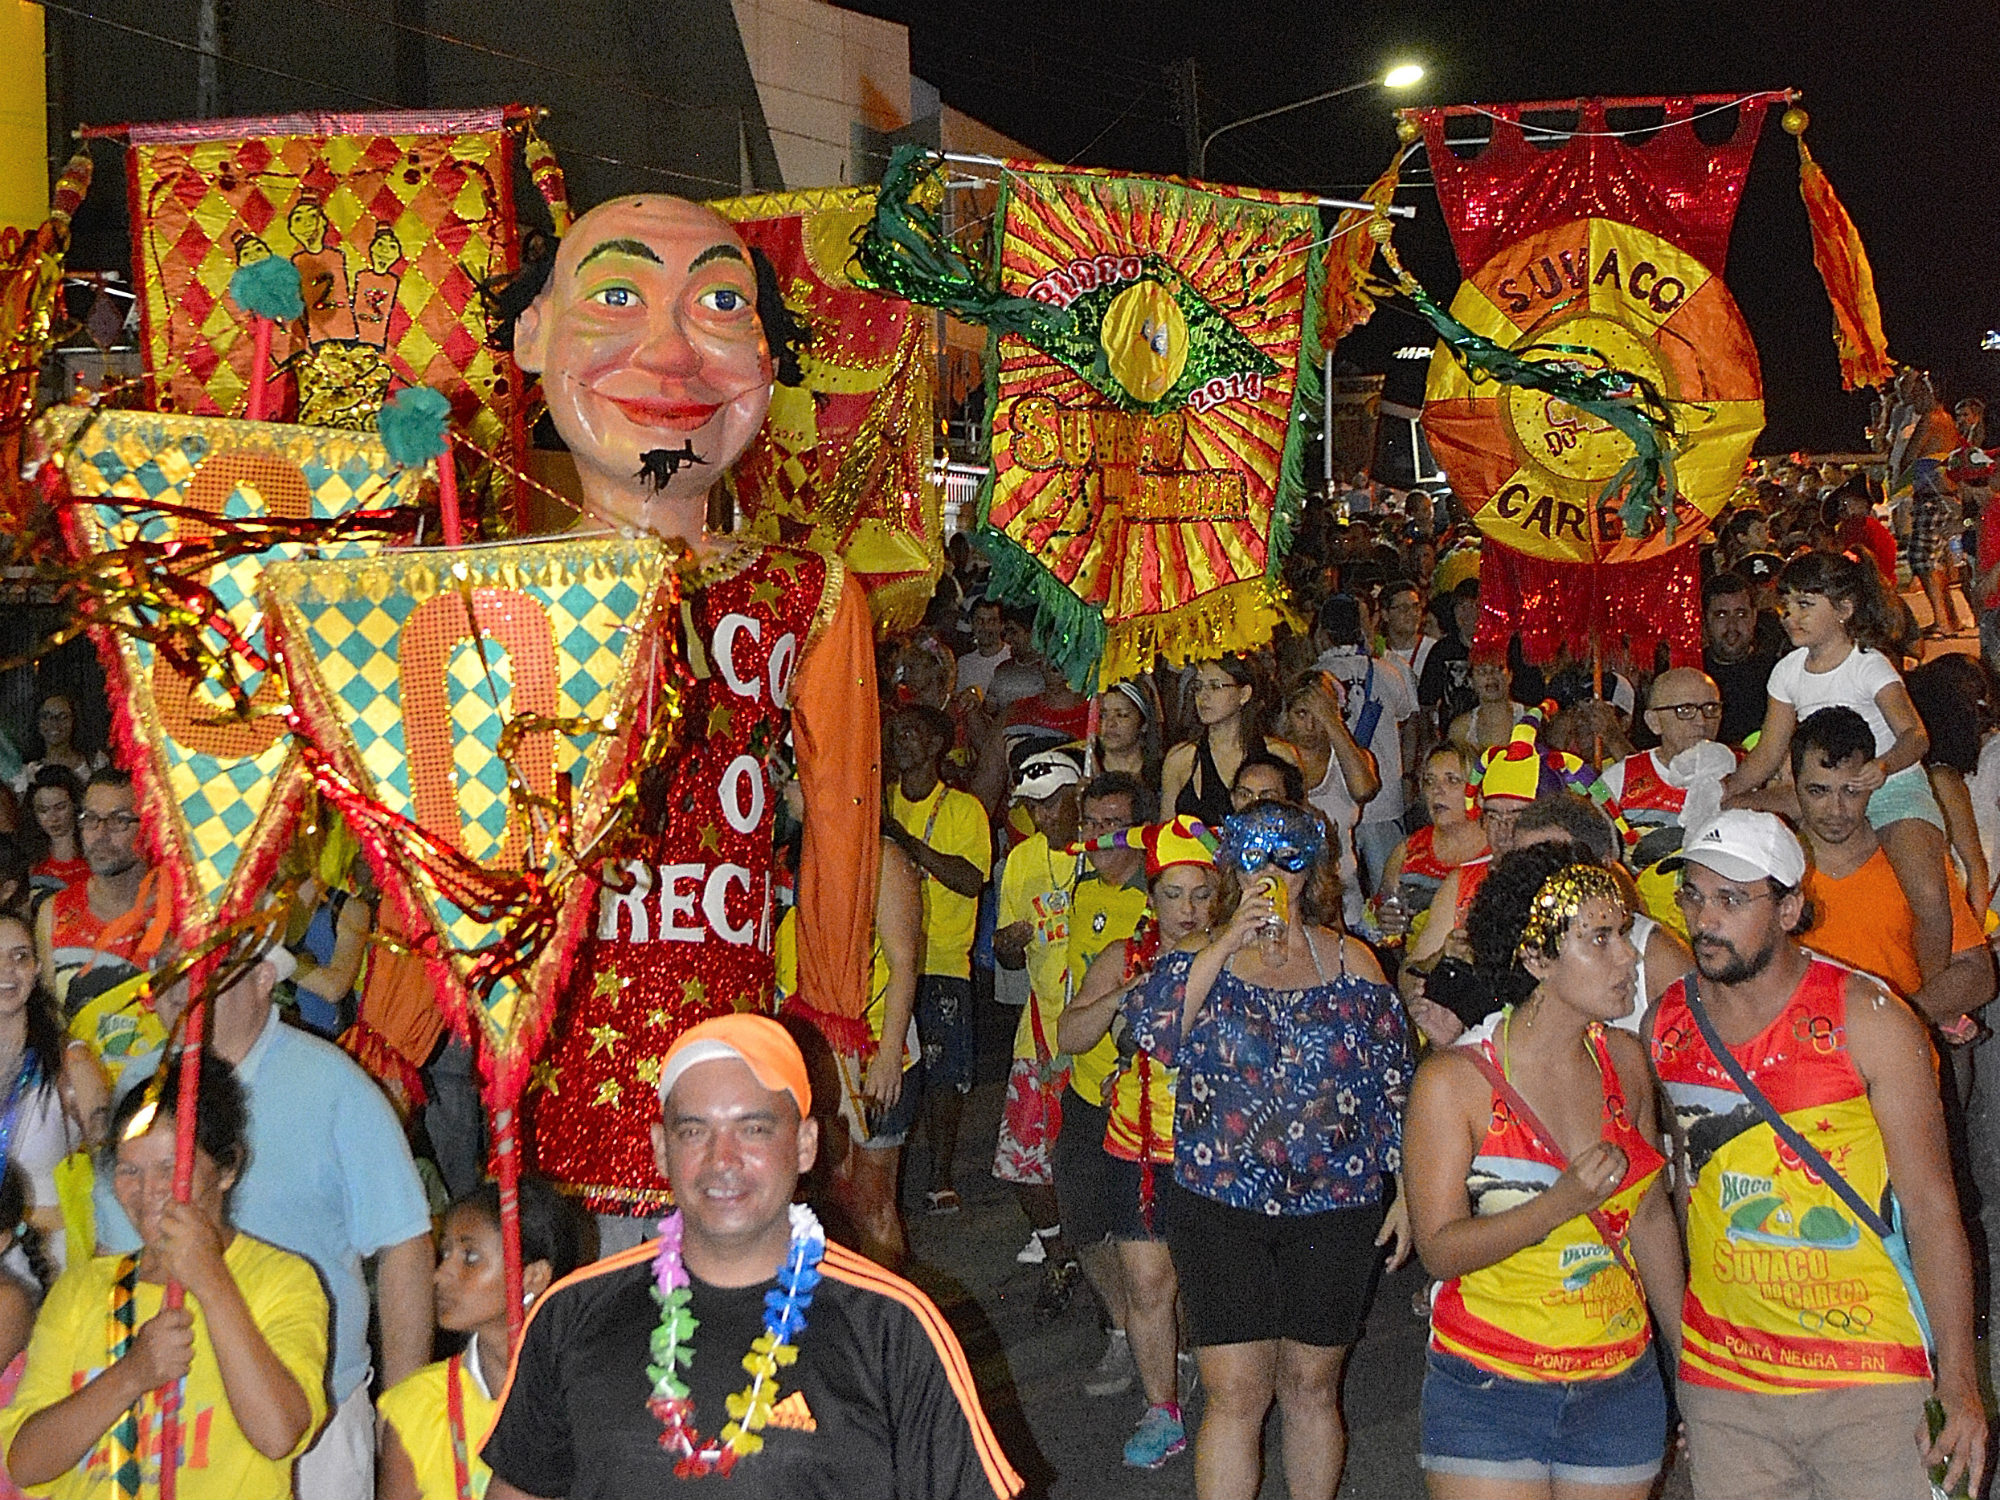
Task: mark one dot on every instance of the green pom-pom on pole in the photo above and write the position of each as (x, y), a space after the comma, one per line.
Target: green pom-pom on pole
(414, 424)
(268, 290)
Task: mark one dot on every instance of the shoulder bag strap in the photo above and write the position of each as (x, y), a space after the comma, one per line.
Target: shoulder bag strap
(1800, 1146)
(1531, 1122)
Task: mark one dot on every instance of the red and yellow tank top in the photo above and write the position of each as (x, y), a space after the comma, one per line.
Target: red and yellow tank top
(1786, 1292)
(1563, 1309)
(1139, 1117)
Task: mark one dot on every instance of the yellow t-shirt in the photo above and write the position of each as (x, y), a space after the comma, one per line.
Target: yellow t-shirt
(1036, 887)
(951, 822)
(1100, 916)
(417, 1408)
(71, 1346)
(119, 1027)
(785, 959)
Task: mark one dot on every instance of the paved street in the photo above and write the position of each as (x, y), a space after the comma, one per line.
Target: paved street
(1067, 1444)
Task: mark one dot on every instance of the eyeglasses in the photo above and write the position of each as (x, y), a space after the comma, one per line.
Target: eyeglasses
(1687, 713)
(90, 822)
(1690, 900)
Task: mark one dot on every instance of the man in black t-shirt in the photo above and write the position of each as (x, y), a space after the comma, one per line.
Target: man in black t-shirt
(1734, 655)
(879, 1400)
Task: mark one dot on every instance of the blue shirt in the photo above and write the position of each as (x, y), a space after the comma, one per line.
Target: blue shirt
(1290, 1101)
(330, 1176)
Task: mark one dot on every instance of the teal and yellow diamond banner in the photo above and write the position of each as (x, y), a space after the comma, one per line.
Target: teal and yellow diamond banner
(408, 668)
(1147, 457)
(218, 791)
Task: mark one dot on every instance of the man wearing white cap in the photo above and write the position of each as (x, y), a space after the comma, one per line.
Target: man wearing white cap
(1822, 1223)
(1036, 888)
(740, 1342)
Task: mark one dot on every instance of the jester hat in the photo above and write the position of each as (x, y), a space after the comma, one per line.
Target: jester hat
(1181, 841)
(1521, 768)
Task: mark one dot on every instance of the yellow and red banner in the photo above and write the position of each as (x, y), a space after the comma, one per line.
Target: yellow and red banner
(394, 220)
(843, 465)
(1604, 250)
(1147, 462)
(217, 789)
(409, 668)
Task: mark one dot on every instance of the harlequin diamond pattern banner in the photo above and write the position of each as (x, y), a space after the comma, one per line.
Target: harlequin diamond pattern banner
(1147, 466)
(843, 463)
(393, 221)
(408, 667)
(218, 791)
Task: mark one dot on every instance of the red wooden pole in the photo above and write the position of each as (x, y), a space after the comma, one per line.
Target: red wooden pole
(448, 495)
(184, 1146)
(507, 1168)
(260, 365)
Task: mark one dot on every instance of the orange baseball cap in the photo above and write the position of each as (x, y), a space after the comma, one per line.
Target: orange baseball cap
(758, 1042)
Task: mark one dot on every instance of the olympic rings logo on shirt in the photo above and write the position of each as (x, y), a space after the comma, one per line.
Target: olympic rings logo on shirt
(1852, 1321)
(1821, 1032)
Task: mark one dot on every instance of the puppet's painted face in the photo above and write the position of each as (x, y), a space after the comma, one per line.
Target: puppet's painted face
(651, 354)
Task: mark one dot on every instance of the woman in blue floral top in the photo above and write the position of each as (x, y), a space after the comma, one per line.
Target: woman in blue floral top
(1294, 1067)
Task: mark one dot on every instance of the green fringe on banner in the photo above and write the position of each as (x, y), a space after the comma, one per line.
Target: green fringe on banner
(905, 253)
(1289, 498)
(1628, 402)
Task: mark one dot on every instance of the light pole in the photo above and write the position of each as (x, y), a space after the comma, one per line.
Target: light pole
(1399, 77)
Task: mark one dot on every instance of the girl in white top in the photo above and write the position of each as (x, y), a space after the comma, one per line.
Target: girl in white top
(1835, 612)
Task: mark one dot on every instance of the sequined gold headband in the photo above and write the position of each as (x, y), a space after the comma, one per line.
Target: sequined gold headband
(1557, 902)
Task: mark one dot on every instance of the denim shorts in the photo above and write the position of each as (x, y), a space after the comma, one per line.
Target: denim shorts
(1610, 1431)
(944, 1026)
(1907, 794)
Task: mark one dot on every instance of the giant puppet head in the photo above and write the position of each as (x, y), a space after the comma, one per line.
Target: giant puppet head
(655, 362)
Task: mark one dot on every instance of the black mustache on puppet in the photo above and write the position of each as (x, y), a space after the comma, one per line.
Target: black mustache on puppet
(660, 465)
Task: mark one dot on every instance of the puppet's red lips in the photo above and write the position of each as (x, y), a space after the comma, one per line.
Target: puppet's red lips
(679, 415)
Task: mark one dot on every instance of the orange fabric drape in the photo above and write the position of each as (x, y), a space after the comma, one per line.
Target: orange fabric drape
(836, 728)
(1850, 281)
(1344, 305)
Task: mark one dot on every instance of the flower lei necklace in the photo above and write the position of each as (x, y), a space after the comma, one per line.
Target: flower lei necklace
(673, 1347)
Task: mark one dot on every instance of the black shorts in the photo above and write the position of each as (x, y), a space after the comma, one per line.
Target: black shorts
(1097, 1192)
(1248, 1277)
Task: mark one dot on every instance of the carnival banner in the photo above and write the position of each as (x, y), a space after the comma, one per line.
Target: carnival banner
(843, 462)
(409, 669)
(218, 787)
(31, 274)
(1603, 254)
(394, 220)
(1148, 450)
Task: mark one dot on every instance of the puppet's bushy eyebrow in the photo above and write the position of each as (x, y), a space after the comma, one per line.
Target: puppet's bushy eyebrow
(639, 248)
(717, 252)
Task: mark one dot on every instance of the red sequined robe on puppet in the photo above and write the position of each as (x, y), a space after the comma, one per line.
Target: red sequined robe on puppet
(779, 642)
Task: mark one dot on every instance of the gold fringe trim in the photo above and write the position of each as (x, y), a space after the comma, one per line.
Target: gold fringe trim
(1236, 617)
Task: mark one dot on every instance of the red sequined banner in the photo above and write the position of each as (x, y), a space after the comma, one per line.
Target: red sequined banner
(1670, 183)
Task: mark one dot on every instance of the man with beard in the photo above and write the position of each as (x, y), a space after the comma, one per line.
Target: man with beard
(1860, 915)
(1806, 1364)
(1736, 654)
(658, 337)
(95, 934)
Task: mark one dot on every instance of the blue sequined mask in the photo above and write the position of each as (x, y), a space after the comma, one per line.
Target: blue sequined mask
(1271, 833)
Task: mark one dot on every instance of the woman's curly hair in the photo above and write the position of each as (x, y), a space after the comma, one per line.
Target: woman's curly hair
(1499, 913)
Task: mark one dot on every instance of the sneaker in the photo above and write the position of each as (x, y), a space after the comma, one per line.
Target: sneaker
(1159, 1437)
(1115, 1372)
(1034, 1252)
(1058, 1287)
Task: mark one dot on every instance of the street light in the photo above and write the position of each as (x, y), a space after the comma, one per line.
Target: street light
(1399, 77)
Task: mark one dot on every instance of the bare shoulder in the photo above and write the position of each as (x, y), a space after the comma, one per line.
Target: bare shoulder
(1360, 959)
(1284, 750)
(1180, 758)
(1879, 1020)
(1628, 1056)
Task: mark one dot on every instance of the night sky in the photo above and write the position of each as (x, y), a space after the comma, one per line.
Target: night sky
(1904, 121)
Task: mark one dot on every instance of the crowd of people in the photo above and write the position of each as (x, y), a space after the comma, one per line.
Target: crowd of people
(1614, 991)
